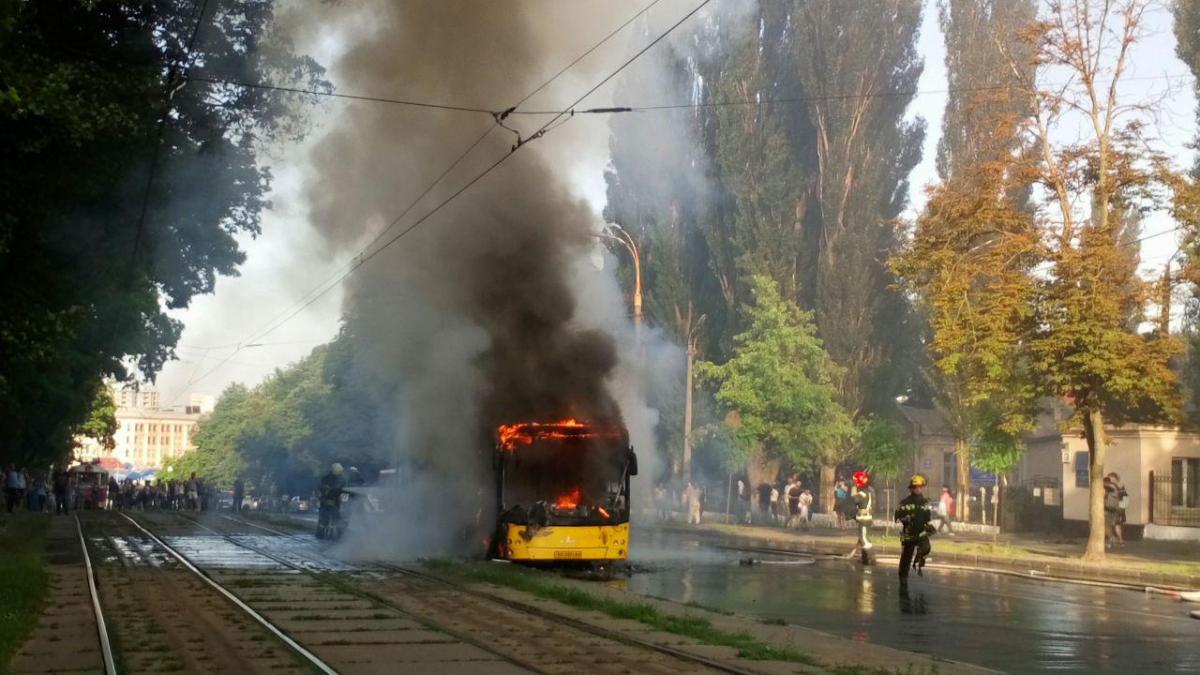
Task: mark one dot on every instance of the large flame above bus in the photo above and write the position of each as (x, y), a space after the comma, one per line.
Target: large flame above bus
(512, 436)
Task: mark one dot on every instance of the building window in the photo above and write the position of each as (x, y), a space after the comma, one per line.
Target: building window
(1081, 470)
(1185, 482)
(949, 469)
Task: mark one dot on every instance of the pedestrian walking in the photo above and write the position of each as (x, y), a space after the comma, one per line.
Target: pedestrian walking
(945, 511)
(691, 500)
(61, 483)
(1114, 492)
(743, 502)
(794, 490)
(806, 501)
(774, 505)
(37, 495)
(841, 494)
(12, 491)
(1122, 505)
(193, 493)
(764, 502)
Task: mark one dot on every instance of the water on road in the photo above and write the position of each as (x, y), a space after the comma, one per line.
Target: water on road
(1002, 622)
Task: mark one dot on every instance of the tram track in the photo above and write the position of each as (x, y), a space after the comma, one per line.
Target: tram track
(556, 618)
(106, 651)
(157, 616)
(345, 629)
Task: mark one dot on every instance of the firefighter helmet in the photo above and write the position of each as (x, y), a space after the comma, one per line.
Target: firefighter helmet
(336, 469)
(918, 480)
(861, 478)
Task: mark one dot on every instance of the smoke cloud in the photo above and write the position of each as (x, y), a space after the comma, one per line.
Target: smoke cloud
(488, 313)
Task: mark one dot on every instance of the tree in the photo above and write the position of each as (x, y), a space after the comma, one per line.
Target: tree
(1083, 345)
(125, 183)
(862, 151)
(977, 217)
(780, 384)
(970, 266)
(1040, 299)
(886, 451)
(1187, 47)
(286, 431)
(101, 423)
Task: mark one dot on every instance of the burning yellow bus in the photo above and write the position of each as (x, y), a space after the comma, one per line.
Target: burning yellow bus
(562, 491)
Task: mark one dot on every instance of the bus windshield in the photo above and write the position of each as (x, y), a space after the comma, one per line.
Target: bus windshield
(575, 474)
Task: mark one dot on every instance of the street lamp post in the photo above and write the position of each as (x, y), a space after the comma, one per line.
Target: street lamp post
(625, 239)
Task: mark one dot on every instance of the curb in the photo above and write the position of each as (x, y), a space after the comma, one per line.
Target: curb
(1069, 572)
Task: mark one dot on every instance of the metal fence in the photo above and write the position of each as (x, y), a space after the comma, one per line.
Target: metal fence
(1174, 501)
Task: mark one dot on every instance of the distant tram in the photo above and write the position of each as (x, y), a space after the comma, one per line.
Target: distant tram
(91, 485)
(562, 491)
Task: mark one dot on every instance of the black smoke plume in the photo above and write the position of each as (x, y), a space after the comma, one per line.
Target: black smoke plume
(470, 320)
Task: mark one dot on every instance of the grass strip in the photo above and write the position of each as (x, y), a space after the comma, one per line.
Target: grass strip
(23, 578)
(697, 628)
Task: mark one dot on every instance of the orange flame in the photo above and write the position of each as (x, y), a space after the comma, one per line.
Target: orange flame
(525, 433)
(603, 511)
(569, 500)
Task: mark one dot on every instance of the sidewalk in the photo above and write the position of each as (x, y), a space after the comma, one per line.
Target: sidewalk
(1158, 564)
(64, 639)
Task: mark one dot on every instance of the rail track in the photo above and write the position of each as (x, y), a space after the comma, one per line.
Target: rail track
(165, 615)
(110, 667)
(555, 618)
(296, 647)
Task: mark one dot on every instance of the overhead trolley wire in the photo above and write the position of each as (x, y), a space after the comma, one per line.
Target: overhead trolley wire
(363, 256)
(634, 107)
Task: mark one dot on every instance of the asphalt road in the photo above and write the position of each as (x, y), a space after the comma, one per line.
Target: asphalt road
(1002, 622)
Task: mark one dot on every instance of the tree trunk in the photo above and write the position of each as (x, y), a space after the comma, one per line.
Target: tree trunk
(687, 418)
(962, 455)
(827, 472)
(1093, 428)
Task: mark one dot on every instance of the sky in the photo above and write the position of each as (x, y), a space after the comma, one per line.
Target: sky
(225, 338)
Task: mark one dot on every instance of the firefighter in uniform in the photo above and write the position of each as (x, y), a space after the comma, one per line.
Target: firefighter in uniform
(330, 492)
(914, 515)
(864, 501)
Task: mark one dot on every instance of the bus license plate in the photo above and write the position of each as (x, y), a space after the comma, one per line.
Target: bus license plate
(568, 554)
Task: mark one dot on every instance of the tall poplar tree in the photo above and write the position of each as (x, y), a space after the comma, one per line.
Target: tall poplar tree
(858, 65)
(980, 128)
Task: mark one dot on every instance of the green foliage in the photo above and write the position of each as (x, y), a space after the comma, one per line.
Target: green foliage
(101, 423)
(885, 450)
(996, 451)
(283, 433)
(861, 152)
(779, 384)
(85, 274)
(23, 577)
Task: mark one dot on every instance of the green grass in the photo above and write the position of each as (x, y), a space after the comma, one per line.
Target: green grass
(697, 628)
(23, 578)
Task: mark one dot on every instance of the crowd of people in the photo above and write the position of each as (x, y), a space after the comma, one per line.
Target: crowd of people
(61, 491)
(787, 503)
(166, 495)
(25, 491)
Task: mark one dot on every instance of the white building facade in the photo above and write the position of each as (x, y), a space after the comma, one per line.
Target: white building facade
(148, 437)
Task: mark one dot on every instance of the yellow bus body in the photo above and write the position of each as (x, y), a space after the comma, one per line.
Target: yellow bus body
(562, 543)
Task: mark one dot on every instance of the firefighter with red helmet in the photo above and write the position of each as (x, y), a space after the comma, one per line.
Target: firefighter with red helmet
(915, 516)
(864, 501)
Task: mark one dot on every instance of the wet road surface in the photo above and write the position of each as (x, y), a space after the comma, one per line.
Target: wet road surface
(1002, 622)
